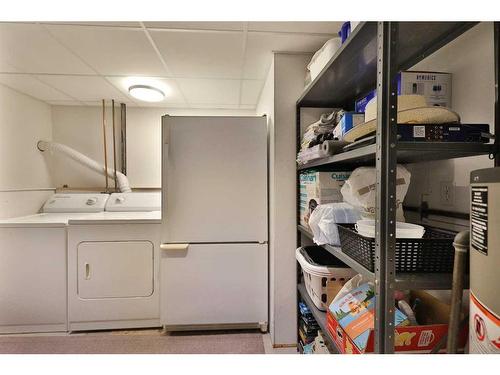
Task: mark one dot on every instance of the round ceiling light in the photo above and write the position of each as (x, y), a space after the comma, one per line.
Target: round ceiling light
(146, 93)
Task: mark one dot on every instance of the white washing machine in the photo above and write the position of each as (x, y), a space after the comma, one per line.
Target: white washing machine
(113, 265)
(33, 264)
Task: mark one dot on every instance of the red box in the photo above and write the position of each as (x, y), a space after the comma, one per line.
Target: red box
(434, 316)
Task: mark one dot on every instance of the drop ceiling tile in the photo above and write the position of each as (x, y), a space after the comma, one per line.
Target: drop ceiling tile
(201, 54)
(65, 102)
(5, 67)
(210, 91)
(31, 49)
(84, 88)
(29, 85)
(260, 47)
(111, 51)
(250, 91)
(235, 26)
(168, 86)
(104, 24)
(161, 105)
(213, 106)
(98, 103)
(296, 27)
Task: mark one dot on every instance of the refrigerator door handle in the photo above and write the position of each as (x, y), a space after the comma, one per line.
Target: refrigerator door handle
(174, 246)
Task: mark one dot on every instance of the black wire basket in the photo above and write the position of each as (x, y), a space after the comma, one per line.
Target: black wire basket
(434, 253)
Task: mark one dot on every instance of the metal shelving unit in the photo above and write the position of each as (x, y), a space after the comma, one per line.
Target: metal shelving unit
(352, 71)
(407, 152)
(371, 58)
(435, 281)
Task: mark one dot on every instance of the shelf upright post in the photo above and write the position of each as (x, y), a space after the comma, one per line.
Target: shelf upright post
(298, 136)
(297, 218)
(386, 163)
(496, 38)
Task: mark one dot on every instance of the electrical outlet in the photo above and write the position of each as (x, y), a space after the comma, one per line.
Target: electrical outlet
(447, 193)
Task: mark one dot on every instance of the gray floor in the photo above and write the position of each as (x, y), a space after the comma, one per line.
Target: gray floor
(142, 341)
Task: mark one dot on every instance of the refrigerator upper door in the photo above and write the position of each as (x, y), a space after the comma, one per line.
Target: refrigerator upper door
(214, 172)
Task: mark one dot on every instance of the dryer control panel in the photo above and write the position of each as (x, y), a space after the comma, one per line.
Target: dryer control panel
(76, 202)
(133, 202)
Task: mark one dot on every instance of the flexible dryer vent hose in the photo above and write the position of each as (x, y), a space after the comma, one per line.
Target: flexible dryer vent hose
(122, 180)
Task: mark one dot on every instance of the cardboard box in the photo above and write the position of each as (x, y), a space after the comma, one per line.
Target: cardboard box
(347, 122)
(332, 289)
(433, 315)
(319, 188)
(355, 313)
(435, 86)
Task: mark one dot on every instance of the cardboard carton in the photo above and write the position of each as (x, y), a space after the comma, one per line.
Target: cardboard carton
(433, 316)
(347, 122)
(319, 188)
(435, 86)
(354, 313)
(332, 289)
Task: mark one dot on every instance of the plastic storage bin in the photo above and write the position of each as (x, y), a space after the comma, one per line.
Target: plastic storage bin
(432, 253)
(319, 266)
(323, 56)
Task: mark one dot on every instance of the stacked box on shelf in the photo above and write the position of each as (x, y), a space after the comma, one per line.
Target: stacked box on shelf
(320, 345)
(431, 314)
(308, 328)
(319, 188)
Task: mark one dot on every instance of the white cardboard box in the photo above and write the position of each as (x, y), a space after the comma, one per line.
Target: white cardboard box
(319, 188)
(436, 87)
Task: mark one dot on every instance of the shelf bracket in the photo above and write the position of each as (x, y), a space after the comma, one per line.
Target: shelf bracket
(386, 205)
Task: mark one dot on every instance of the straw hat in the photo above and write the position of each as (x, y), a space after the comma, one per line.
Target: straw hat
(412, 109)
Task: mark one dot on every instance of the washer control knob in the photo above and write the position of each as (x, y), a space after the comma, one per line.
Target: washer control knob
(91, 201)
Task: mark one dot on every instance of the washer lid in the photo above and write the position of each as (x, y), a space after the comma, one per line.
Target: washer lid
(93, 202)
(134, 202)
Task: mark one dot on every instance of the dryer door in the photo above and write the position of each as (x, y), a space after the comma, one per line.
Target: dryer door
(115, 269)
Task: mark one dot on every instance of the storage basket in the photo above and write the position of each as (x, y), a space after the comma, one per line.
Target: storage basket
(319, 266)
(434, 253)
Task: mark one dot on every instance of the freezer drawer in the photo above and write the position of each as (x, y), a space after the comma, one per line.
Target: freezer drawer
(116, 269)
(214, 284)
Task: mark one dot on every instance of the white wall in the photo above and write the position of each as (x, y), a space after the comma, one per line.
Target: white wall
(144, 140)
(81, 128)
(470, 59)
(265, 106)
(284, 84)
(25, 181)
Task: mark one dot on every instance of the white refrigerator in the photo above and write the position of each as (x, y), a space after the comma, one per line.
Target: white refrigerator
(214, 257)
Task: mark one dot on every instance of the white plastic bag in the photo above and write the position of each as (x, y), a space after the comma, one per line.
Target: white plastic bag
(324, 218)
(359, 190)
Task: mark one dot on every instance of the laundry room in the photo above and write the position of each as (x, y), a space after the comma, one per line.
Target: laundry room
(232, 184)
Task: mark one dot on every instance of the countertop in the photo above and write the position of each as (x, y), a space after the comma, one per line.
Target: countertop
(64, 219)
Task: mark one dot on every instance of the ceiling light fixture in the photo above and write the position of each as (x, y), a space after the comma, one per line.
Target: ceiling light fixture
(146, 93)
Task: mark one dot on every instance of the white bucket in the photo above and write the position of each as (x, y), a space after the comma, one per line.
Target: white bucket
(403, 230)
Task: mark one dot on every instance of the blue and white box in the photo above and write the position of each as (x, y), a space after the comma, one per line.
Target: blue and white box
(434, 86)
(347, 122)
